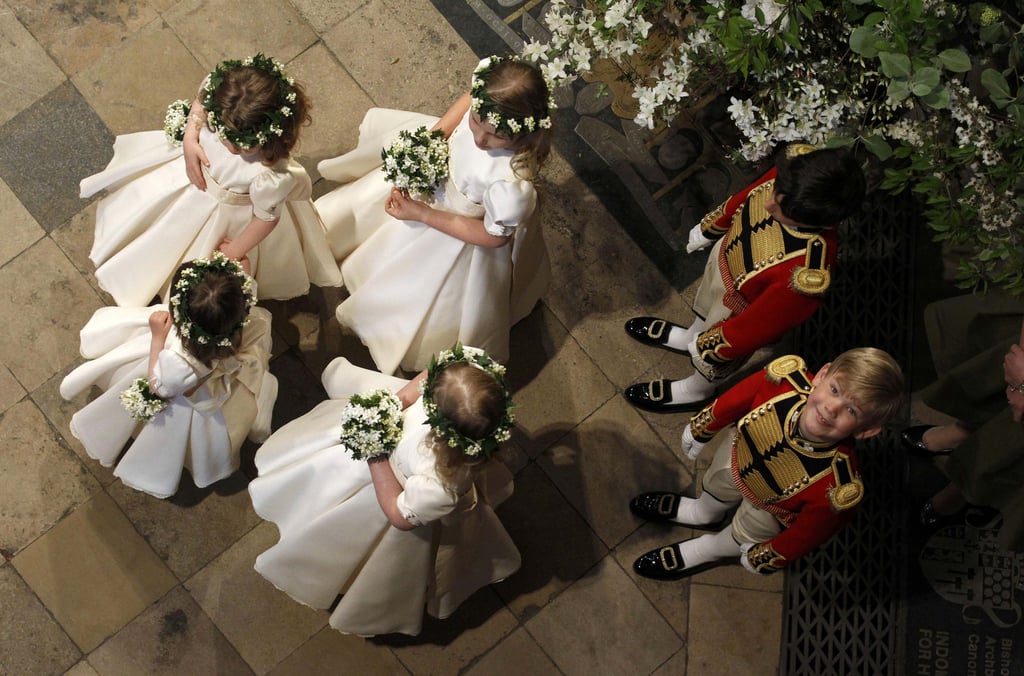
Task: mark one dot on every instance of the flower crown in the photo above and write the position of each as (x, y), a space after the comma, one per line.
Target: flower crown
(442, 426)
(192, 275)
(273, 123)
(487, 109)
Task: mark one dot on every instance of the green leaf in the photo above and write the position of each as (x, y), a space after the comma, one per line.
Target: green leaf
(937, 98)
(954, 60)
(864, 41)
(997, 86)
(895, 65)
(898, 90)
(874, 18)
(840, 142)
(877, 146)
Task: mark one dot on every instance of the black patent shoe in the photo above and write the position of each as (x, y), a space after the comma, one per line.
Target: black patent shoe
(653, 331)
(913, 440)
(666, 563)
(656, 396)
(656, 506)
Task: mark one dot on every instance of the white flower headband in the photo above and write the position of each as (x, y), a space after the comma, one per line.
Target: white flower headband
(487, 109)
(442, 427)
(273, 123)
(192, 275)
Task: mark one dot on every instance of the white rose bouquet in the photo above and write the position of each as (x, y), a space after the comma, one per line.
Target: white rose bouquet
(417, 161)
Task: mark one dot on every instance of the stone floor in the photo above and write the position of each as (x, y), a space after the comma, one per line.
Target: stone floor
(99, 579)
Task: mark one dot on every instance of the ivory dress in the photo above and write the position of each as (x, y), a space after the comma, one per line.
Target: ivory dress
(153, 219)
(201, 431)
(414, 290)
(335, 539)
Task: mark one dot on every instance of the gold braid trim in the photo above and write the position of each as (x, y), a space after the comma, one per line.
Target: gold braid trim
(797, 149)
(764, 559)
(783, 368)
(709, 346)
(699, 424)
(848, 490)
(708, 226)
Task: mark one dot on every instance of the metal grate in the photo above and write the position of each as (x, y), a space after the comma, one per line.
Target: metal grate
(842, 602)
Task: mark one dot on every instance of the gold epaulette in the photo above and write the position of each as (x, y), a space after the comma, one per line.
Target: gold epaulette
(791, 368)
(813, 277)
(849, 489)
(797, 149)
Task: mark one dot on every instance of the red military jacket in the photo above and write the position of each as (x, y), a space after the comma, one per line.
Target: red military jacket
(774, 275)
(810, 488)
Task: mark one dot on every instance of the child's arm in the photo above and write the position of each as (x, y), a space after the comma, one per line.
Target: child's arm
(388, 489)
(159, 327)
(254, 233)
(195, 156)
(469, 230)
(453, 115)
(410, 392)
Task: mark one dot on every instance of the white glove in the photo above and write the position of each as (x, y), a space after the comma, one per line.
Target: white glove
(697, 240)
(691, 447)
(744, 548)
(698, 363)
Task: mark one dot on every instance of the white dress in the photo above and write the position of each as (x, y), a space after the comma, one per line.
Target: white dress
(335, 539)
(153, 220)
(414, 290)
(201, 431)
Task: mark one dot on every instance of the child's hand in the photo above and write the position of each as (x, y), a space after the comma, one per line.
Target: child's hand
(229, 251)
(403, 207)
(160, 323)
(246, 265)
(195, 160)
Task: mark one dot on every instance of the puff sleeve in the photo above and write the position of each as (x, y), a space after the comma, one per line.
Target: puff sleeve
(506, 205)
(269, 191)
(172, 375)
(424, 500)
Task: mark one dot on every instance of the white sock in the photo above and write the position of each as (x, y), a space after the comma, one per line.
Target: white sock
(692, 388)
(679, 337)
(704, 510)
(710, 547)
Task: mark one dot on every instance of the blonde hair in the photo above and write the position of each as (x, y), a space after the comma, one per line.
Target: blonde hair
(871, 378)
(518, 90)
(474, 403)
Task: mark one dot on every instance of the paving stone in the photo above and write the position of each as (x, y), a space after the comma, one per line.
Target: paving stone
(574, 628)
(330, 651)
(93, 595)
(132, 85)
(11, 390)
(173, 636)
(44, 305)
(48, 148)
(31, 642)
(263, 624)
(20, 229)
(733, 631)
(517, 654)
(41, 481)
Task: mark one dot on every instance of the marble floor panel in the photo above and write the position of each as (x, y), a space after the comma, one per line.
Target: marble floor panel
(99, 580)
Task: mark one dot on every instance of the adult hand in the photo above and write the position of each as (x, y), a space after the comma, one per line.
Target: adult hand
(1016, 400)
(697, 240)
(1013, 366)
(399, 205)
(195, 160)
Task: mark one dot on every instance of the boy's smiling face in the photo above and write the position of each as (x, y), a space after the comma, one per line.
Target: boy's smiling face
(830, 415)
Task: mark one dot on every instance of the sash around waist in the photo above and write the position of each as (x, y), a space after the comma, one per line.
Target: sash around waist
(223, 195)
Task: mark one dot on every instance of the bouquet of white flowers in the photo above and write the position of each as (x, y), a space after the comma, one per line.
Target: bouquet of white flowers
(417, 161)
(176, 120)
(371, 424)
(141, 402)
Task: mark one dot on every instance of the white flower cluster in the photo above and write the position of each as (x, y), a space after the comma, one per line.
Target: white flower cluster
(371, 424)
(770, 9)
(997, 210)
(176, 120)
(417, 161)
(141, 403)
(808, 114)
(974, 128)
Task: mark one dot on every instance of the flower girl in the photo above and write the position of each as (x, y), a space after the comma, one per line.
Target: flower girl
(393, 510)
(465, 264)
(232, 187)
(189, 380)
